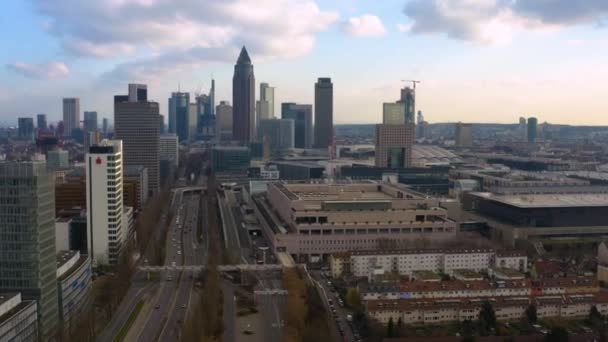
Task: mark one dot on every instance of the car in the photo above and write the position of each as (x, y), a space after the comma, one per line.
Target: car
(183, 306)
(169, 278)
(157, 306)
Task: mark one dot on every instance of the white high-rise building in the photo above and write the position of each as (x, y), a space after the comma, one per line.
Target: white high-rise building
(106, 233)
(169, 148)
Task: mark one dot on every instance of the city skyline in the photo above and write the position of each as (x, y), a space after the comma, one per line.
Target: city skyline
(498, 54)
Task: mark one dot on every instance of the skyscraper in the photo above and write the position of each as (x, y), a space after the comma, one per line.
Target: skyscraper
(179, 115)
(393, 113)
(106, 232)
(265, 106)
(532, 129)
(138, 92)
(463, 134)
(105, 125)
(243, 99)
(301, 114)
(223, 126)
(212, 98)
(41, 122)
(408, 99)
(27, 237)
(25, 128)
(394, 145)
(324, 113)
(136, 124)
(192, 121)
(71, 115)
(90, 121)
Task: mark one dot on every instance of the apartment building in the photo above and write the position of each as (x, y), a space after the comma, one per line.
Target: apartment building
(407, 261)
(437, 311)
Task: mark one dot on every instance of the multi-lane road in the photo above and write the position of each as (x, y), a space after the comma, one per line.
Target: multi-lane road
(165, 322)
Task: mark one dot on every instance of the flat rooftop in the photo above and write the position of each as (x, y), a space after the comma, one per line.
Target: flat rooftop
(6, 296)
(361, 191)
(548, 200)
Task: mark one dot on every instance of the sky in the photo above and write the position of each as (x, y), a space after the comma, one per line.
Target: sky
(477, 60)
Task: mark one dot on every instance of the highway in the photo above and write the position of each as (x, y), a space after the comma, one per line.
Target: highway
(165, 322)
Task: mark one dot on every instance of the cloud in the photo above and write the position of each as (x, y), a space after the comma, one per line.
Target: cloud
(366, 25)
(155, 37)
(495, 22)
(404, 27)
(46, 71)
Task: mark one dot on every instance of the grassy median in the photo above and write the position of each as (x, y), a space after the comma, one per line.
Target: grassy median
(127, 326)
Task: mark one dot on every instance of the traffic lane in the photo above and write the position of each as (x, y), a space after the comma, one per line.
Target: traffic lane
(229, 312)
(273, 324)
(340, 311)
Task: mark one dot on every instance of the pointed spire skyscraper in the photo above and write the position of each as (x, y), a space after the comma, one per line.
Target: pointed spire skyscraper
(243, 99)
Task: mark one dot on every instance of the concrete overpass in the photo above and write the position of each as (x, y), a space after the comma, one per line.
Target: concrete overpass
(222, 268)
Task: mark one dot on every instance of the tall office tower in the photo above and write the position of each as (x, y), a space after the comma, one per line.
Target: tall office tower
(161, 124)
(463, 135)
(280, 133)
(179, 113)
(27, 238)
(223, 122)
(408, 98)
(203, 114)
(301, 114)
(138, 92)
(41, 122)
(420, 125)
(104, 126)
(136, 124)
(420, 118)
(243, 99)
(71, 115)
(90, 121)
(212, 99)
(192, 122)
(522, 129)
(324, 113)
(265, 106)
(106, 233)
(393, 113)
(394, 145)
(532, 129)
(169, 148)
(25, 129)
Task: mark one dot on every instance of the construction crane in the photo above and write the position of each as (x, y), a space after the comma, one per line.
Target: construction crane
(413, 83)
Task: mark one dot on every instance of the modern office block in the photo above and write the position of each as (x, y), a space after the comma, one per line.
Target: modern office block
(18, 318)
(463, 135)
(106, 233)
(90, 121)
(324, 113)
(169, 148)
(301, 114)
(408, 99)
(136, 176)
(224, 120)
(136, 124)
(27, 215)
(41, 122)
(279, 132)
(179, 115)
(230, 158)
(71, 115)
(394, 145)
(25, 129)
(73, 285)
(138, 92)
(532, 129)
